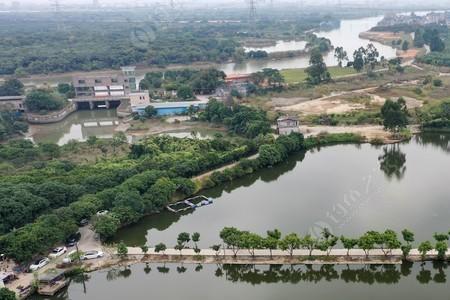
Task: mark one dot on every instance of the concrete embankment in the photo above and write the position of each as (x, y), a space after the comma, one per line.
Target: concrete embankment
(264, 257)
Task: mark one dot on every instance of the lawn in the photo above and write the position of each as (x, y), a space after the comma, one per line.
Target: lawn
(299, 75)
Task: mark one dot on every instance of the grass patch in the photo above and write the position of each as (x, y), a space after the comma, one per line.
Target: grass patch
(299, 75)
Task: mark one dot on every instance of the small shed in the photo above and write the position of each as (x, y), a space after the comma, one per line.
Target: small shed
(287, 125)
(51, 281)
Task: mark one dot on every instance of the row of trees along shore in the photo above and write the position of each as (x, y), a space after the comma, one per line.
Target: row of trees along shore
(236, 240)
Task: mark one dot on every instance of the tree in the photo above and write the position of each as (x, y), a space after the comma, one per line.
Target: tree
(107, 226)
(144, 249)
(405, 45)
(6, 294)
(119, 139)
(195, 239)
(272, 240)
(150, 112)
(341, 55)
(290, 242)
(309, 243)
(436, 43)
(424, 248)
(269, 155)
(251, 241)
(349, 243)
(358, 59)
(441, 248)
(408, 236)
(317, 70)
(440, 237)
(182, 239)
(232, 238)
(43, 100)
(11, 87)
(216, 248)
(406, 249)
(366, 242)
(122, 250)
(389, 241)
(185, 92)
(394, 114)
(161, 247)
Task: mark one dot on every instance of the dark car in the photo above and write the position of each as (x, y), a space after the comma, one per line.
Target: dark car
(73, 239)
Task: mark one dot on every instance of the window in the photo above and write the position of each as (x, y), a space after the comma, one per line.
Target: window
(114, 80)
(81, 81)
(98, 81)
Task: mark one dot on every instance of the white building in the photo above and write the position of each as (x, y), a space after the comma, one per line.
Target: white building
(287, 125)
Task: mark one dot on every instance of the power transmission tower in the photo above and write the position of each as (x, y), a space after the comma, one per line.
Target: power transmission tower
(172, 4)
(252, 11)
(95, 3)
(55, 5)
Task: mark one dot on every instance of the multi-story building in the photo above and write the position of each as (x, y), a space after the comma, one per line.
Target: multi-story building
(106, 86)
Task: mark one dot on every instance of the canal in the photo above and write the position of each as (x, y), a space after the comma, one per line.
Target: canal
(203, 282)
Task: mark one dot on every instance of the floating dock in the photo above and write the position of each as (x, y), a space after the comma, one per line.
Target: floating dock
(188, 204)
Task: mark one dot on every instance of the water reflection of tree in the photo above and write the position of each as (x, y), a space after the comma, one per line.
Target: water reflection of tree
(368, 274)
(439, 140)
(392, 162)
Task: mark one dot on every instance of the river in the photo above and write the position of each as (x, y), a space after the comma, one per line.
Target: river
(74, 127)
(347, 188)
(347, 36)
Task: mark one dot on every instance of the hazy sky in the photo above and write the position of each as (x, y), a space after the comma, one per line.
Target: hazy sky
(230, 2)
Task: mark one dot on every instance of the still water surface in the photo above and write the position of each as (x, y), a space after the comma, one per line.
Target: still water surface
(347, 36)
(347, 188)
(205, 282)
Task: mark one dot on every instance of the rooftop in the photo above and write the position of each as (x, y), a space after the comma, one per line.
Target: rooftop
(12, 98)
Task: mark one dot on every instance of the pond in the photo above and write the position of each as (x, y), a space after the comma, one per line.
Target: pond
(77, 126)
(204, 282)
(348, 188)
(347, 36)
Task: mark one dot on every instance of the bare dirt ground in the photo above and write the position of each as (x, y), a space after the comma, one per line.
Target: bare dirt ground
(336, 103)
(370, 132)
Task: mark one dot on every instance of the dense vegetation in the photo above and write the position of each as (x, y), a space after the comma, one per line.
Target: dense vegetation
(239, 119)
(437, 117)
(11, 123)
(58, 194)
(11, 87)
(185, 82)
(41, 43)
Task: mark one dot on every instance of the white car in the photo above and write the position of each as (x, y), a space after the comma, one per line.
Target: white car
(40, 263)
(68, 259)
(92, 254)
(57, 252)
(102, 213)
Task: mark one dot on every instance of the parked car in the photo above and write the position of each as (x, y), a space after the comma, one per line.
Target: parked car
(102, 213)
(93, 254)
(57, 252)
(68, 259)
(83, 222)
(40, 263)
(73, 239)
